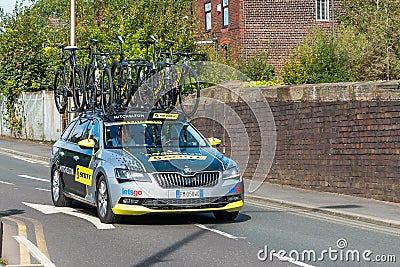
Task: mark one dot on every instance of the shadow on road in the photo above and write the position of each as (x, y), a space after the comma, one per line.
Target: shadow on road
(163, 219)
(6, 213)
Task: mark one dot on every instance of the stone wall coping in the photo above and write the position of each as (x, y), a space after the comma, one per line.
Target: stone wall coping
(324, 92)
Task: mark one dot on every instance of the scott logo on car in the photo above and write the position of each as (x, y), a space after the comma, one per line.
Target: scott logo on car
(83, 175)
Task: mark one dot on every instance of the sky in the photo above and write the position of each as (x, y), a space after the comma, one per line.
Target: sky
(8, 5)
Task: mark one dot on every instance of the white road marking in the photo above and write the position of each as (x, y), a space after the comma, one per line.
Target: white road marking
(291, 260)
(25, 159)
(33, 178)
(35, 252)
(47, 209)
(42, 189)
(219, 232)
(2, 182)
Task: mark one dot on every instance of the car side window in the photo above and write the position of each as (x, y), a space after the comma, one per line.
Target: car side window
(92, 131)
(68, 130)
(78, 133)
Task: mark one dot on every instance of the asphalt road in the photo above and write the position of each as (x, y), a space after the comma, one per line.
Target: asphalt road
(74, 237)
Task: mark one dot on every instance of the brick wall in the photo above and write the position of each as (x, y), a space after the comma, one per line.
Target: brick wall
(342, 138)
(259, 25)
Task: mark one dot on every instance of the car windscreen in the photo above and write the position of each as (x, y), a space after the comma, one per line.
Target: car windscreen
(152, 134)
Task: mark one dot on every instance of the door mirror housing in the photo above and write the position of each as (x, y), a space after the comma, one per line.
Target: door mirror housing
(215, 142)
(87, 143)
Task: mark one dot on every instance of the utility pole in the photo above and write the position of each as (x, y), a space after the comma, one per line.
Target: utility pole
(72, 32)
(333, 19)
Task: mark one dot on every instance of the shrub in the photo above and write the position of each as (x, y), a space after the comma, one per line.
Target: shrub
(257, 67)
(318, 59)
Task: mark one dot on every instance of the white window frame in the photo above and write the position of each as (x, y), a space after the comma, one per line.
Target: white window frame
(225, 14)
(207, 16)
(319, 10)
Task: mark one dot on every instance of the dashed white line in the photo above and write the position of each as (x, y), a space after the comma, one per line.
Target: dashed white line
(2, 182)
(291, 260)
(42, 189)
(33, 178)
(25, 159)
(36, 253)
(218, 232)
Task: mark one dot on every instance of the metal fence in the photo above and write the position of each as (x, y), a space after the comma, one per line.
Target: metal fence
(40, 118)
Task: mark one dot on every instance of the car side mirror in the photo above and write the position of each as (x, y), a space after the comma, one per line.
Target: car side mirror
(87, 143)
(215, 142)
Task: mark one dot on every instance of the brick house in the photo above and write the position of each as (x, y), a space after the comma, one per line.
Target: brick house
(248, 27)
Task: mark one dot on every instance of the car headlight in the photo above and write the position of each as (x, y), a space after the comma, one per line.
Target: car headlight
(231, 173)
(130, 175)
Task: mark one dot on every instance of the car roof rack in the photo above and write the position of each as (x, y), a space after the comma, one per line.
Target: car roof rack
(135, 114)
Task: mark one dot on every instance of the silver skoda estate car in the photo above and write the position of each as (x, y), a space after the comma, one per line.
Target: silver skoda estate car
(140, 163)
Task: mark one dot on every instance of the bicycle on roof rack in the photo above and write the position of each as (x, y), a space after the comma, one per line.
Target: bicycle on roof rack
(162, 82)
(188, 85)
(69, 81)
(124, 73)
(99, 82)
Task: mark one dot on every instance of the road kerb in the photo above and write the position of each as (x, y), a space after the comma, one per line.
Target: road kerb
(343, 214)
(23, 154)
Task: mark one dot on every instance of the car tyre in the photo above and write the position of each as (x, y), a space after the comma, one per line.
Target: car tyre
(103, 202)
(225, 216)
(57, 195)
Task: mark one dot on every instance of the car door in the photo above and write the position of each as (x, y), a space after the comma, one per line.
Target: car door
(83, 157)
(71, 157)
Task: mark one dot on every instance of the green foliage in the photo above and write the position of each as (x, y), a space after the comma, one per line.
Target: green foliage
(29, 57)
(3, 261)
(378, 22)
(318, 59)
(257, 67)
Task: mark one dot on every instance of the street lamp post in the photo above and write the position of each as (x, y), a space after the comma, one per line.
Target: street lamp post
(72, 32)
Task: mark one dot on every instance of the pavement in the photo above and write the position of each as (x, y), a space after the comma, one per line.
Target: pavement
(356, 208)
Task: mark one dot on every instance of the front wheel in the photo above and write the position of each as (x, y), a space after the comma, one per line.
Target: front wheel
(189, 91)
(58, 197)
(60, 92)
(107, 91)
(103, 202)
(78, 88)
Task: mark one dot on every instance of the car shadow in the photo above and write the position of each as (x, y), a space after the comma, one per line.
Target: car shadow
(163, 219)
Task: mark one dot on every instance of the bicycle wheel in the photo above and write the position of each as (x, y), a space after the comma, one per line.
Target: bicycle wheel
(167, 98)
(60, 92)
(122, 86)
(107, 91)
(189, 91)
(78, 88)
(143, 96)
(91, 91)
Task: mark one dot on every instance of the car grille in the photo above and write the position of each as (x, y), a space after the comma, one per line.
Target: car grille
(177, 180)
(171, 204)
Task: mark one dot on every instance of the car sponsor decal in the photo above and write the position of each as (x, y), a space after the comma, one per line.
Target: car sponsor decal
(83, 175)
(66, 170)
(130, 192)
(165, 116)
(133, 122)
(171, 157)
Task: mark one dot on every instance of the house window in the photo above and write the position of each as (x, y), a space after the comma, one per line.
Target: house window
(322, 7)
(207, 12)
(225, 13)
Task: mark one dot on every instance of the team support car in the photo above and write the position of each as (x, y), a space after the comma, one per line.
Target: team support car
(140, 163)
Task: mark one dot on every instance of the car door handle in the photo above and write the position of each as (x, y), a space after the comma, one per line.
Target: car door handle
(76, 158)
(61, 154)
